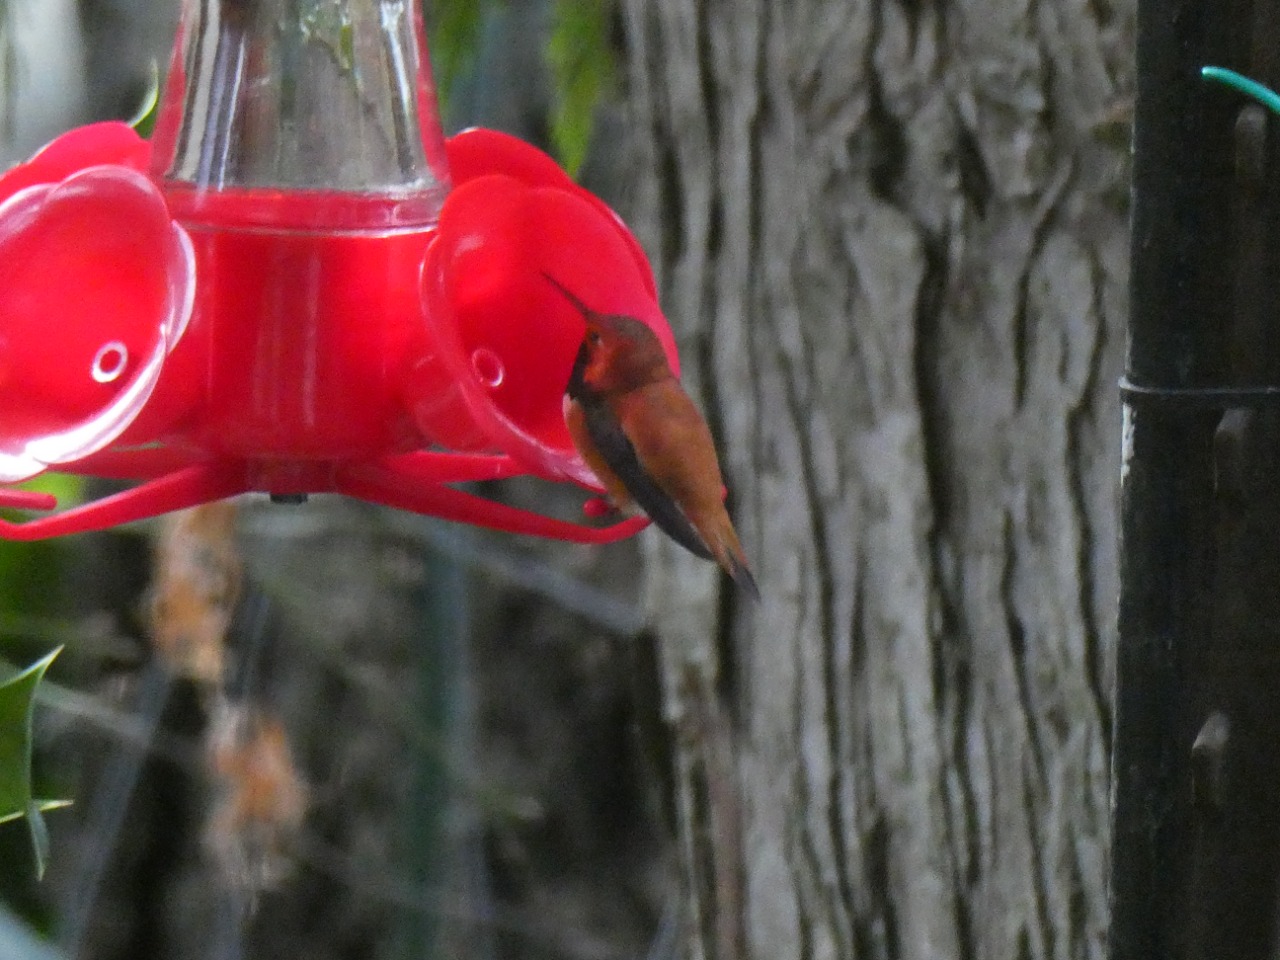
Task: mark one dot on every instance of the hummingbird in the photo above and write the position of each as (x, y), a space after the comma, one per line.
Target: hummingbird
(644, 439)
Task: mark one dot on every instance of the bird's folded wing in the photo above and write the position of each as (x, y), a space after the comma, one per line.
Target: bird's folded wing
(620, 455)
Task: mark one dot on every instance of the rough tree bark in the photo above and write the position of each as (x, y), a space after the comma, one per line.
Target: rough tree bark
(891, 236)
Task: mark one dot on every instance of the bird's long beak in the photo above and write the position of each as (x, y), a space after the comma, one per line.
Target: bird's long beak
(568, 295)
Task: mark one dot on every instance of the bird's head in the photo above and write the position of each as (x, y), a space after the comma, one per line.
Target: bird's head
(618, 353)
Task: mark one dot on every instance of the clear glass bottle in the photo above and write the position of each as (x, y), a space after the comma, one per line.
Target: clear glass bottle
(332, 99)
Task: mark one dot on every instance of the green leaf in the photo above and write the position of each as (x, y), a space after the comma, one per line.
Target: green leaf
(144, 119)
(582, 69)
(17, 702)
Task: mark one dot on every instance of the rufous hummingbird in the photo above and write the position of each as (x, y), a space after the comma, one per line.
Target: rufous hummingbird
(644, 439)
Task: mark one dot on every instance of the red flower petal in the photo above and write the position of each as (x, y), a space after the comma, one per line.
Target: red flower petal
(94, 145)
(95, 288)
(478, 152)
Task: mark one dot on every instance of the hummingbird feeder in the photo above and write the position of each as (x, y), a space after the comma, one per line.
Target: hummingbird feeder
(299, 286)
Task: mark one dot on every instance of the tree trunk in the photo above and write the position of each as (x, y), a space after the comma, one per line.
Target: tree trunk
(892, 239)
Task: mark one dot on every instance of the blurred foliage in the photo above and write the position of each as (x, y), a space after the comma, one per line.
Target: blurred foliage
(17, 939)
(578, 52)
(28, 569)
(582, 69)
(455, 27)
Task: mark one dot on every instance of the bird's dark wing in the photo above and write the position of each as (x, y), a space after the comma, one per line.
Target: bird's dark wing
(616, 450)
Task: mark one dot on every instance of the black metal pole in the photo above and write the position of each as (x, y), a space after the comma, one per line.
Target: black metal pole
(1164, 492)
(1196, 756)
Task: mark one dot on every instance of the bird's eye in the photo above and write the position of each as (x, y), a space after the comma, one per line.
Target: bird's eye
(593, 338)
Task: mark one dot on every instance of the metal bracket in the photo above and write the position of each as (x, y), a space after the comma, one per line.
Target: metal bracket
(1203, 398)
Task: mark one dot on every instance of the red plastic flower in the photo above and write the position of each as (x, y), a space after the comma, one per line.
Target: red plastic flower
(96, 287)
(508, 337)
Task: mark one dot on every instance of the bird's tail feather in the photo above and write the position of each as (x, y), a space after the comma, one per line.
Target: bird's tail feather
(743, 577)
(728, 553)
